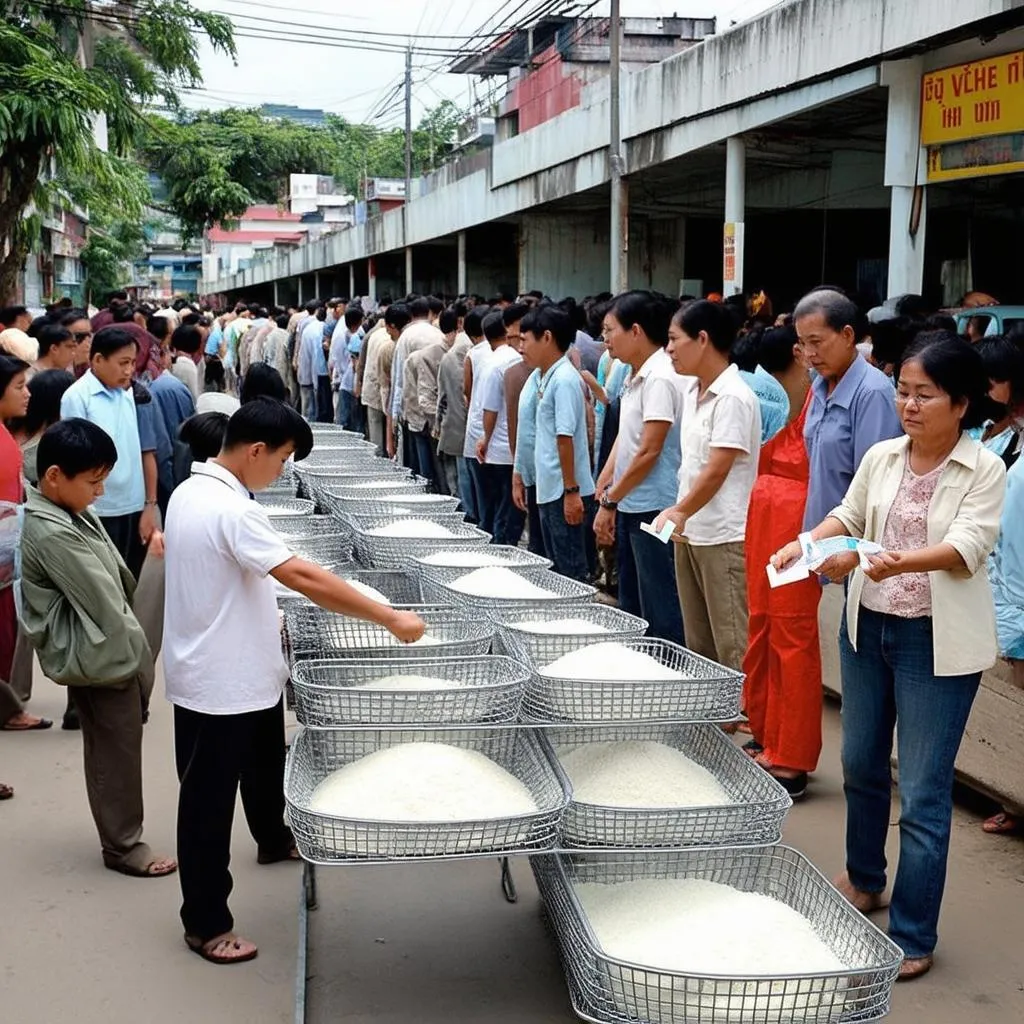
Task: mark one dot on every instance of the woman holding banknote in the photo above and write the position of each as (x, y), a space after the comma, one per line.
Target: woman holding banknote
(918, 632)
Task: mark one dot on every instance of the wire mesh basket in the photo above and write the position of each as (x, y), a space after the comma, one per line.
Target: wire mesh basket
(753, 816)
(314, 633)
(378, 552)
(394, 504)
(286, 594)
(536, 648)
(285, 486)
(483, 688)
(429, 514)
(325, 839)
(703, 692)
(277, 505)
(564, 594)
(372, 486)
(324, 548)
(494, 554)
(399, 588)
(334, 434)
(310, 527)
(616, 991)
(358, 455)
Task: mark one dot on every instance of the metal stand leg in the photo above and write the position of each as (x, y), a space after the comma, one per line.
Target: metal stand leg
(508, 885)
(307, 902)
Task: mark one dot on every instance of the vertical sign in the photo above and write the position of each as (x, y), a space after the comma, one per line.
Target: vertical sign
(732, 258)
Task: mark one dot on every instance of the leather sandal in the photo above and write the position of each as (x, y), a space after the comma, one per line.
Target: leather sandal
(915, 967)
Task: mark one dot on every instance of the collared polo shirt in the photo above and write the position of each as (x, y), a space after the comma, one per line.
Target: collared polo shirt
(479, 355)
(499, 453)
(840, 428)
(561, 412)
(654, 394)
(415, 336)
(726, 416)
(222, 642)
(113, 409)
(526, 432)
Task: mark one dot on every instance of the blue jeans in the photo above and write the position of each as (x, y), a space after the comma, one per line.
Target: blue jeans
(340, 410)
(347, 408)
(567, 545)
(308, 398)
(647, 576)
(423, 451)
(468, 489)
(889, 680)
(499, 517)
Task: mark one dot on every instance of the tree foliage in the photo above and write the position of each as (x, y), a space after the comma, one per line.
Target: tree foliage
(68, 67)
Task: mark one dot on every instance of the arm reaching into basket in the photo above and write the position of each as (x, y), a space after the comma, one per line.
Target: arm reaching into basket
(325, 589)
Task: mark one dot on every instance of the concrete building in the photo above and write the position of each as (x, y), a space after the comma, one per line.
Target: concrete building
(826, 140)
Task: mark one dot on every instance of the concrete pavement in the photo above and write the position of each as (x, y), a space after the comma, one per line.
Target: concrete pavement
(429, 944)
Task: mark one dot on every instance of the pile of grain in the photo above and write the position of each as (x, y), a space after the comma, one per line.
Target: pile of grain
(415, 499)
(499, 582)
(419, 528)
(407, 682)
(421, 782)
(367, 591)
(639, 773)
(465, 559)
(389, 483)
(692, 926)
(609, 661)
(566, 626)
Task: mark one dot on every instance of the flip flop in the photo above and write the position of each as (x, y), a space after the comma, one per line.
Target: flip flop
(208, 950)
(292, 853)
(6, 792)
(39, 723)
(1002, 824)
(146, 871)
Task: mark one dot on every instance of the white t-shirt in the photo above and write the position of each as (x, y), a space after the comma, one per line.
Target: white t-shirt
(222, 643)
(218, 401)
(479, 356)
(499, 453)
(728, 416)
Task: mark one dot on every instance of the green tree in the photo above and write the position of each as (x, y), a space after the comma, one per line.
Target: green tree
(65, 65)
(113, 246)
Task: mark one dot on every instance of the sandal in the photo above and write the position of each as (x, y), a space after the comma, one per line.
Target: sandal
(291, 853)
(29, 723)
(915, 967)
(6, 792)
(1002, 824)
(159, 867)
(216, 950)
(752, 748)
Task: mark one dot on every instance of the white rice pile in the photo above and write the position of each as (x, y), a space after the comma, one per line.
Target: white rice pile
(390, 482)
(408, 682)
(692, 926)
(497, 581)
(639, 773)
(415, 499)
(609, 661)
(570, 626)
(465, 559)
(367, 591)
(422, 782)
(412, 528)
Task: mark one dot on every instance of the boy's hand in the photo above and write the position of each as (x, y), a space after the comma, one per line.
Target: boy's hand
(156, 544)
(149, 522)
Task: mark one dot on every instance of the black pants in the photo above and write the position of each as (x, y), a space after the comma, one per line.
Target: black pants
(215, 756)
(124, 532)
(324, 400)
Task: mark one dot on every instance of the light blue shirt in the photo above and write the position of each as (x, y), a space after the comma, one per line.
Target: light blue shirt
(561, 412)
(216, 336)
(1006, 567)
(526, 430)
(840, 428)
(772, 398)
(312, 361)
(114, 410)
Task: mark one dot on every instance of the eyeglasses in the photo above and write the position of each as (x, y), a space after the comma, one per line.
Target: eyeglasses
(919, 400)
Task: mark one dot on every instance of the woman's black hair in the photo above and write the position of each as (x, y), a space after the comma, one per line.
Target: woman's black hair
(262, 381)
(204, 434)
(45, 390)
(1003, 360)
(213, 378)
(9, 369)
(270, 422)
(75, 446)
(771, 348)
(650, 311)
(955, 366)
(717, 322)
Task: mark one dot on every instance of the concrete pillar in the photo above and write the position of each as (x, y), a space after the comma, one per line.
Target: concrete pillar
(905, 173)
(351, 281)
(303, 298)
(735, 211)
(318, 284)
(461, 286)
(371, 278)
(277, 293)
(408, 270)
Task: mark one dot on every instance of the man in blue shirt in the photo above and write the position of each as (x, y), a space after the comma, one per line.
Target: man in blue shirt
(565, 485)
(310, 354)
(173, 404)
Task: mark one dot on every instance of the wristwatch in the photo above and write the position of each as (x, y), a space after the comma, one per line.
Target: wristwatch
(571, 490)
(605, 502)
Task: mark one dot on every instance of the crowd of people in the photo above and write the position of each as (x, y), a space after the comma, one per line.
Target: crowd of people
(668, 450)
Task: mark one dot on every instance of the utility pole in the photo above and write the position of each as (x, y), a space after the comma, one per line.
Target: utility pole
(616, 161)
(408, 124)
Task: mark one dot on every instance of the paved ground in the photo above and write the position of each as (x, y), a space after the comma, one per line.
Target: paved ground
(81, 945)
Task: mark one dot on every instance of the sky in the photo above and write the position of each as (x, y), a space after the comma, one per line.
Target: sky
(359, 83)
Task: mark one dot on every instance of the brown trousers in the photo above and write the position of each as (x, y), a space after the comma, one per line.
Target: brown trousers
(712, 585)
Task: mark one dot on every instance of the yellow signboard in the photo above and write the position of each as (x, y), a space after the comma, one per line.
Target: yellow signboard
(975, 158)
(970, 101)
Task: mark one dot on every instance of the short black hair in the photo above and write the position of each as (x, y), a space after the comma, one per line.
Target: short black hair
(955, 366)
(436, 305)
(270, 422)
(117, 296)
(75, 446)
(50, 335)
(473, 324)
(10, 367)
(448, 321)
(354, 316)
(159, 327)
(397, 316)
(1003, 360)
(494, 327)
(312, 306)
(282, 321)
(122, 313)
(11, 313)
(187, 339)
(651, 311)
(262, 381)
(73, 316)
(713, 318)
(836, 308)
(553, 319)
(514, 313)
(38, 324)
(108, 340)
(419, 308)
(204, 434)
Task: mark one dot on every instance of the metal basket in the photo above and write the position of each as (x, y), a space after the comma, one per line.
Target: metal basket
(277, 506)
(335, 433)
(390, 505)
(324, 839)
(391, 485)
(285, 596)
(314, 633)
(400, 588)
(285, 486)
(395, 552)
(613, 991)
(496, 554)
(754, 818)
(357, 455)
(544, 648)
(706, 691)
(566, 594)
(310, 527)
(445, 518)
(330, 693)
(324, 548)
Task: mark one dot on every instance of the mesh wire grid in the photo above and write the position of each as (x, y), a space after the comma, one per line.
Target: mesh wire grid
(431, 515)
(324, 839)
(313, 633)
(324, 548)
(753, 817)
(332, 693)
(379, 552)
(389, 505)
(564, 593)
(284, 595)
(388, 484)
(615, 990)
(276, 505)
(400, 588)
(543, 648)
(495, 554)
(310, 527)
(705, 691)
